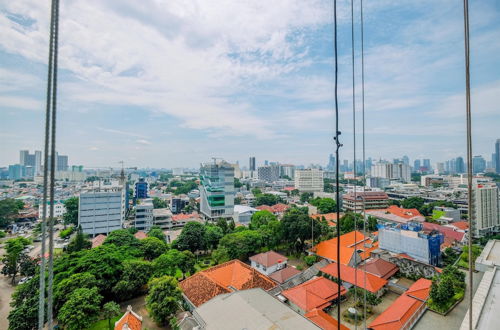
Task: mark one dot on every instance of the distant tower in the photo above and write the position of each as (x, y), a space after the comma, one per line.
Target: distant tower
(497, 156)
(252, 164)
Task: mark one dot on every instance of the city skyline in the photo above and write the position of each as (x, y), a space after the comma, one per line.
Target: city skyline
(174, 92)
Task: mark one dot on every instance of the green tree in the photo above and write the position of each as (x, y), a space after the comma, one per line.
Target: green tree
(371, 299)
(9, 208)
(192, 237)
(222, 224)
(169, 262)
(81, 309)
(71, 215)
(221, 255)
(261, 218)
(79, 242)
(237, 201)
(24, 306)
(326, 205)
(159, 203)
(213, 234)
(237, 183)
(163, 299)
(256, 192)
(66, 232)
(296, 225)
(12, 259)
(152, 247)
(64, 288)
(240, 245)
(372, 223)
(267, 199)
(110, 310)
(136, 273)
(393, 202)
(442, 289)
(121, 237)
(272, 233)
(295, 192)
(156, 231)
(305, 197)
(413, 203)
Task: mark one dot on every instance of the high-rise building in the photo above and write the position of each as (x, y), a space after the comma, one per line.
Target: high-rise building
(427, 165)
(478, 164)
(17, 172)
(62, 163)
(252, 164)
(34, 160)
(331, 163)
(485, 208)
(399, 171)
(309, 180)
(144, 215)
(406, 160)
(440, 168)
(497, 156)
(141, 189)
(101, 211)
(217, 190)
(416, 165)
(288, 170)
(459, 165)
(269, 173)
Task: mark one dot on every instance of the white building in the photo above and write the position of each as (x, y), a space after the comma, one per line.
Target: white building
(391, 171)
(217, 190)
(288, 170)
(243, 214)
(309, 180)
(268, 262)
(162, 218)
(144, 215)
(59, 209)
(485, 207)
(101, 211)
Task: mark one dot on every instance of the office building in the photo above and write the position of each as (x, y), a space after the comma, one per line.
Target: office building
(162, 218)
(406, 160)
(217, 190)
(144, 215)
(178, 204)
(412, 240)
(416, 165)
(309, 180)
(486, 208)
(331, 163)
(34, 160)
(377, 182)
(398, 171)
(478, 164)
(288, 170)
(368, 200)
(251, 164)
(268, 173)
(100, 211)
(141, 189)
(17, 172)
(497, 156)
(459, 165)
(427, 165)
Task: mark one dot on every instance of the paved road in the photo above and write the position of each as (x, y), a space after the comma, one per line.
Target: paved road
(453, 320)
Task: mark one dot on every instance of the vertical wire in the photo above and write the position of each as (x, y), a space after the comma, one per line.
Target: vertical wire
(354, 166)
(469, 151)
(52, 168)
(364, 147)
(41, 301)
(338, 145)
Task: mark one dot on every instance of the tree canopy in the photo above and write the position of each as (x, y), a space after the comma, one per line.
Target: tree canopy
(81, 309)
(192, 237)
(163, 298)
(261, 218)
(9, 208)
(71, 215)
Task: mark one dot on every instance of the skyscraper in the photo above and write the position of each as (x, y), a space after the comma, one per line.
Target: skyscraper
(331, 163)
(217, 190)
(34, 160)
(478, 164)
(427, 165)
(416, 165)
(406, 160)
(497, 156)
(459, 165)
(251, 164)
(485, 208)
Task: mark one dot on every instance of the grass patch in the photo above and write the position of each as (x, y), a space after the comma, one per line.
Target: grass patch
(446, 307)
(103, 324)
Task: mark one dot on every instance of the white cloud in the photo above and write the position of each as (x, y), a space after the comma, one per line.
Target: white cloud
(20, 102)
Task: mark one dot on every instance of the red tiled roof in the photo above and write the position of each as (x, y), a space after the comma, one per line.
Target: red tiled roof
(98, 240)
(348, 244)
(269, 258)
(462, 225)
(396, 315)
(132, 320)
(446, 231)
(223, 278)
(264, 207)
(140, 235)
(350, 275)
(278, 208)
(284, 274)
(324, 321)
(316, 293)
(420, 289)
(182, 216)
(331, 218)
(381, 268)
(402, 212)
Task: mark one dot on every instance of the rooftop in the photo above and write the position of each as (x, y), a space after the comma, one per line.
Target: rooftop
(420, 289)
(140, 235)
(324, 321)
(129, 321)
(349, 243)
(269, 258)
(315, 293)
(356, 277)
(284, 274)
(397, 315)
(224, 278)
(98, 240)
(380, 268)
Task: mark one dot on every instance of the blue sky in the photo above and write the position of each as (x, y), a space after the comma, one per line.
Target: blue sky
(173, 83)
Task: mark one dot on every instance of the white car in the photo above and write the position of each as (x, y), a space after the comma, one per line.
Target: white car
(25, 279)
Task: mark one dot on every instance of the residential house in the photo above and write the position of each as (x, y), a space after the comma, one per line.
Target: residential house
(129, 321)
(317, 293)
(357, 277)
(380, 268)
(268, 262)
(324, 320)
(180, 220)
(228, 277)
(396, 214)
(283, 275)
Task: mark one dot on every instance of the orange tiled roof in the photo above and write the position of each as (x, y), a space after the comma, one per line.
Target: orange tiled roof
(462, 225)
(98, 240)
(140, 235)
(324, 321)
(264, 207)
(284, 274)
(420, 289)
(316, 293)
(223, 278)
(381, 268)
(130, 319)
(349, 243)
(182, 216)
(280, 208)
(402, 212)
(268, 258)
(396, 315)
(350, 275)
